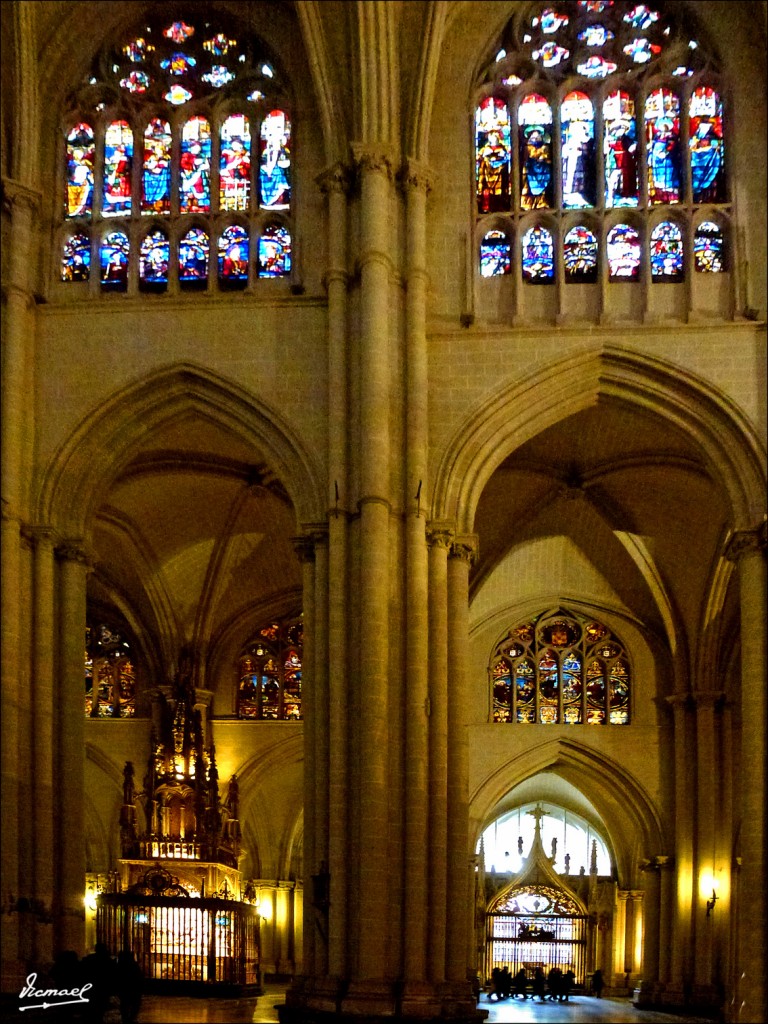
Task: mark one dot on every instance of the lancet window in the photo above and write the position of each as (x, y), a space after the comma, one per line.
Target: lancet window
(600, 144)
(561, 668)
(177, 170)
(270, 669)
(110, 680)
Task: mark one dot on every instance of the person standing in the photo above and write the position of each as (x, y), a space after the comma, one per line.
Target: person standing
(598, 983)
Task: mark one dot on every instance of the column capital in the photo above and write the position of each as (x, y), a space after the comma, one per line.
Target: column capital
(679, 701)
(374, 159)
(440, 535)
(74, 551)
(15, 194)
(465, 547)
(707, 698)
(655, 863)
(42, 535)
(414, 175)
(745, 542)
(336, 178)
(304, 547)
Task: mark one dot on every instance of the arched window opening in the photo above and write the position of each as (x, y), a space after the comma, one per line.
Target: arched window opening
(270, 670)
(110, 681)
(561, 668)
(153, 269)
(538, 256)
(495, 254)
(163, 127)
(708, 250)
(76, 261)
(615, 105)
(666, 252)
(580, 255)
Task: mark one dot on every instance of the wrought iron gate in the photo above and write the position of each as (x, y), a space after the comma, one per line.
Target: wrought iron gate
(537, 940)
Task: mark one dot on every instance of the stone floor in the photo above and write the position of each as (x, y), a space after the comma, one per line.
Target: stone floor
(578, 1010)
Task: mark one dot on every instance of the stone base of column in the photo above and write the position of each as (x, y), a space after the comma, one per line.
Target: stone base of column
(378, 1002)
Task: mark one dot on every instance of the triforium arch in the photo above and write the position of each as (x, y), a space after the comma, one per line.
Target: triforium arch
(520, 411)
(107, 439)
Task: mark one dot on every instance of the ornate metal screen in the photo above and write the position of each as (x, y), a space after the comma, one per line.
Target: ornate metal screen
(208, 941)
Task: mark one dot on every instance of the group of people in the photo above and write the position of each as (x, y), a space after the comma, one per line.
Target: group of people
(555, 986)
(116, 984)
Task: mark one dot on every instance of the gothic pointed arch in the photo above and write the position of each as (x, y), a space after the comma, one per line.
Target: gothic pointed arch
(108, 437)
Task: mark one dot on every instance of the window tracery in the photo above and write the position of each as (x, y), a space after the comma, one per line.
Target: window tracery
(561, 668)
(162, 188)
(270, 670)
(110, 680)
(613, 106)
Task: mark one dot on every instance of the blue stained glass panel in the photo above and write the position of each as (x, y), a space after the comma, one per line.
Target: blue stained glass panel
(80, 159)
(493, 155)
(178, 64)
(538, 256)
(535, 128)
(233, 256)
(275, 162)
(623, 251)
(153, 262)
(596, 67)
(707, 149)
(118, 163)
(179, 32)
(218, 76)
(708, 255)
(666, 252)
(550, 21)
(641, 17)
(620, 150)
(662, 134)
(76, 258)
(156, 169)
(595, 35)
(495, 254)
(275, 252)
(580, 255)
(195, 166)
(235, 164)
(641, 50)
(220, 45)
(113, 257)
(177, 95)
(577, 125)
(550, 54)
(136, 81)
(193, 258)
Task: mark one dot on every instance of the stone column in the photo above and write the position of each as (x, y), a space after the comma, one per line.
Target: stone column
(416, 184)
(652, 920)
(70, 767)
(666, 913)
(620, 930)
(684, 803)
(708, 789)
(43, 738)
(747, 548)
(321, 711)
(459, 892)
(440, 538)
(306, 553)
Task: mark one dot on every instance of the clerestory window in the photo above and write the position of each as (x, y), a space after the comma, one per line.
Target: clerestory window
(600, 149)
(270, 672)
(110, 679)
(177, 164)
(561, 668)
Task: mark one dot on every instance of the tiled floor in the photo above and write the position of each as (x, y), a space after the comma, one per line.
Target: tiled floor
(578, 1010)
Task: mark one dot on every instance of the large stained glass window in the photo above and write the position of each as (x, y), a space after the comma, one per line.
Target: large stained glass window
(192, 97)
(110, 680)
(615, 106)
(270, 672)
(493, 155)
(560, 668)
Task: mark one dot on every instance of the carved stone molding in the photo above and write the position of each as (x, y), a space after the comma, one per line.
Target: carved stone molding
(72, 551)
(337, 178)
(708, 698)
(305, 548)
(17, 194)
(440, 535)
(465, 547)
(373, 159)
(416, 175)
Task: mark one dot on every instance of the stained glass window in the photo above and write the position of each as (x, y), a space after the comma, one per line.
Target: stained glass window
(235, 164)
(495, 252)
(110, 681)
(76, 259)
(156, 169)
(192, 96)
(623, 252)
(195, 166)
(561, 667)
(538, 256)
(80, 162)
(705, 139)
(118, 163)
(620, 150)
(153, 266)
(493, 155)
(577, 147)
(233, 256)
(274, 252)
(275, 165)
(270, 672)
(666, 252)
(535, 126)
(580, 255)
(113, 256)
(708, 253)
(662, 133)
(193, 259)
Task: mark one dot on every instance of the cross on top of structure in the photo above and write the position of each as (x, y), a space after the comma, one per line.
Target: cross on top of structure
(538, 813)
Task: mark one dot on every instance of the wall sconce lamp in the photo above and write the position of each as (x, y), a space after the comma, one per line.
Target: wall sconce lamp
(711, 902)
